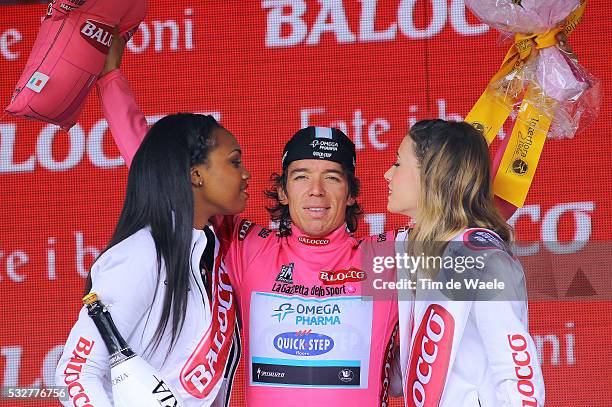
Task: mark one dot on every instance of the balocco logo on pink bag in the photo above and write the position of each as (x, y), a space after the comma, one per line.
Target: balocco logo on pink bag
(98, 34)
(431, 352)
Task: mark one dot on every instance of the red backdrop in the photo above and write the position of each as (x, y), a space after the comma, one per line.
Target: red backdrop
(370, 67)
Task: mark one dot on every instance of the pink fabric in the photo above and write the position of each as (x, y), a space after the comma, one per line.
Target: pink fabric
(125, 119)
(266, 269)
(67, 56)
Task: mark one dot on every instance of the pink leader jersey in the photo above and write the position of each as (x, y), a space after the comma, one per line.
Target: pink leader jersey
(311, 338)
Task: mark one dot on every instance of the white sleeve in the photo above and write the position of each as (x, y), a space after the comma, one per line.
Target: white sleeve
(125, 280)
(511, 352)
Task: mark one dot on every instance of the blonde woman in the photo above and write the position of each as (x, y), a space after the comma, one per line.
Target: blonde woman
(467, 343)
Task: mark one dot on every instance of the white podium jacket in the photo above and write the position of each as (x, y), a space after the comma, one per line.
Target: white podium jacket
(470, 349)
(127, 282)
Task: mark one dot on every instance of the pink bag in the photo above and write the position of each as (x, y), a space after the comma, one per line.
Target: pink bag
(68, 54)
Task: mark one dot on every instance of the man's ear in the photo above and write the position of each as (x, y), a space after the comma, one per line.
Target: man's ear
(197, 180)
(282, 195)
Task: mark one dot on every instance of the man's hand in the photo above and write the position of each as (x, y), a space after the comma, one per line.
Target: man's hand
(113, 59)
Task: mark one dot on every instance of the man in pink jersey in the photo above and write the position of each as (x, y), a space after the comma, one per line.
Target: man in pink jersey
(311, 336)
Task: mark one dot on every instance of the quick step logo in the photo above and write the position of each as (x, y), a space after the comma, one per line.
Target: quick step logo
(303, 344)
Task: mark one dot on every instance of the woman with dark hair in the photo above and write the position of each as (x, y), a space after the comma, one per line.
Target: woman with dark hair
(465, 345)
(162, 276)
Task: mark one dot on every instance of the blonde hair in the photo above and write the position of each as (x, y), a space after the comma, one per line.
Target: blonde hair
(456, 190)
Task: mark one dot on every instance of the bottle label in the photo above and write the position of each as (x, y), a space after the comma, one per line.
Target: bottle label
(137, 383)
(121, 356)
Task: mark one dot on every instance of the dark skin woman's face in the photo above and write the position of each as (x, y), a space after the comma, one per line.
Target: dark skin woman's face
(223, 177)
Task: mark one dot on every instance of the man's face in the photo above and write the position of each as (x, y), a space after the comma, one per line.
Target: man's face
(317, 195)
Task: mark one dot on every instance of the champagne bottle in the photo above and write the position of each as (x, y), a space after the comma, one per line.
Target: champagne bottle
(135, 382)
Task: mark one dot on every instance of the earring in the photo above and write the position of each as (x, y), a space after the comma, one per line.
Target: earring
(200, 183)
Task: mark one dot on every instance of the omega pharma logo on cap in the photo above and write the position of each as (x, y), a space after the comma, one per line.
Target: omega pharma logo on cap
(321, 143)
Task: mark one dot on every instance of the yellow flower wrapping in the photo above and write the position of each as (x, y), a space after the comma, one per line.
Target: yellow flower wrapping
(520, 159)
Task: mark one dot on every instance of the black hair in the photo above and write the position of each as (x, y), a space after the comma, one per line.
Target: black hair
(279, 212)
(159, 195)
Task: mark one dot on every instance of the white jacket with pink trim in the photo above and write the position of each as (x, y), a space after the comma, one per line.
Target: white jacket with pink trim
(476, 351)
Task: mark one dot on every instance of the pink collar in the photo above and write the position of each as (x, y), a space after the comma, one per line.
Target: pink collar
(302, 240)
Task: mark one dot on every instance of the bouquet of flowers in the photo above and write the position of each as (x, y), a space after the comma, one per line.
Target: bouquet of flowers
(541, 68)
(539, 83)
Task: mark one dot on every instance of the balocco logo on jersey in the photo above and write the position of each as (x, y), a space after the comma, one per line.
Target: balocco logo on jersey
(66, 7)
(342, 276)
(311, 241)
